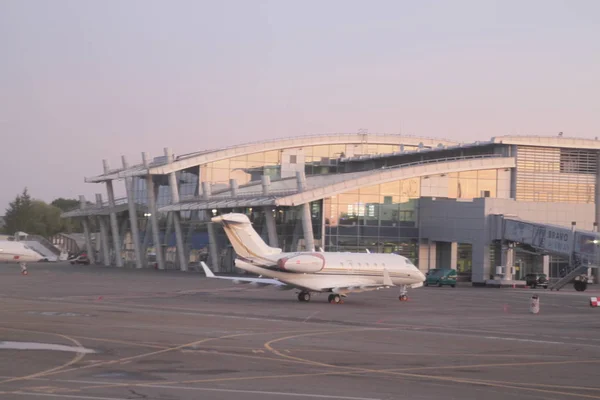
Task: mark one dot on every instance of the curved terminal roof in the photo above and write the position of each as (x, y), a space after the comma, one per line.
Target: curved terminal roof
(549, 141)
(163, 167)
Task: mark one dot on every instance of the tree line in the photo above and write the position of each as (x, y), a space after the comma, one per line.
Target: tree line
(36, 217)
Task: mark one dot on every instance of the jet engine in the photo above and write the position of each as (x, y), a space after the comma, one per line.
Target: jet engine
(302, 263)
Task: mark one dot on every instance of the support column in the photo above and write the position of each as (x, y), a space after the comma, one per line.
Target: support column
(233, 185)
(427, 255)
(176, 222)
(160, 260)
(271, 227)
(212, 238)
(546, 265)
(133, 222)
(481, 269)
(103, 233)
(309, 239)
(86, 231)
(453, 255)
(597, 197)
(268, 210)
(114, 226)
(212, 247)
(508, 260)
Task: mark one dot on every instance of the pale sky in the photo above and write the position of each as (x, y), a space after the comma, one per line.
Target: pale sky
(83, 80)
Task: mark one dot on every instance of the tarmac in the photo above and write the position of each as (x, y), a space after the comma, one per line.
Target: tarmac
(97, 333)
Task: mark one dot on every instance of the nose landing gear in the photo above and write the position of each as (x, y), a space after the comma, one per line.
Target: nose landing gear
(403, 293)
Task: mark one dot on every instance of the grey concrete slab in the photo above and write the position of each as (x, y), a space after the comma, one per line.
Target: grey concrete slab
(174, 335)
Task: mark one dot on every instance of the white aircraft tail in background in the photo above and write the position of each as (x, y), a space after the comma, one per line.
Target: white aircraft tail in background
(335, 273)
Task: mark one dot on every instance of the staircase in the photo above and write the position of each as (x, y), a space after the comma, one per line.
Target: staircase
(578, 270)
(41, 245)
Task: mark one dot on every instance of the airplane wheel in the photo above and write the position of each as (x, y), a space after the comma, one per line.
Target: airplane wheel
(580, 286)
(403, 297)
(304, 296)
(335, 299)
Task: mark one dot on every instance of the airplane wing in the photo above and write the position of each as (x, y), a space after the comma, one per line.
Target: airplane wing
(235, 279)
(360, 287)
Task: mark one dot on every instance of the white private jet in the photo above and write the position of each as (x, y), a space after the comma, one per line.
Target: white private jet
(18, 253)
(310, 272)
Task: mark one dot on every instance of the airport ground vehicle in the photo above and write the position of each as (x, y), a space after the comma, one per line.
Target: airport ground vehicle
(440, 277)
(535, 280)
(80, 259)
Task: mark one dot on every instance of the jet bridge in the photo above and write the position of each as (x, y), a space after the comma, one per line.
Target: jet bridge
(581, 248)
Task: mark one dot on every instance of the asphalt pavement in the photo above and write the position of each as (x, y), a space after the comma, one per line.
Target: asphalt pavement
(96, 333)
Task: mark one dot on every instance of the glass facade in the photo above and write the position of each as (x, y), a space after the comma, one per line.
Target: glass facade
(243, 168)
(555, 175)
(321, 159)
(464, 259)
(381, 218)
(473, 184)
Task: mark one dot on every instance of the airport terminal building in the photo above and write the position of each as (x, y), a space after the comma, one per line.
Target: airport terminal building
(521, 201)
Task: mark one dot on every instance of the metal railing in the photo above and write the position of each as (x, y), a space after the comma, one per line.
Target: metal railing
(44, 242)
(242, 196)
(315, 136)
(407, 152)
(95, 206)
(447, 159)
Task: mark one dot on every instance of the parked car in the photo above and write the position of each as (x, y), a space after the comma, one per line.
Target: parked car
(535, 280)
(81, 259)
(441, 277)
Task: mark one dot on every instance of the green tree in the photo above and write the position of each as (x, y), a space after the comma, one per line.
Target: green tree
(65, 204)
(70, 225)
(34, 217)
(16, 215)
(44, 219)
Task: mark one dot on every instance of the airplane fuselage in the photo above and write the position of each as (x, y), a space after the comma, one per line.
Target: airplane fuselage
(17, 252)
(319, 271)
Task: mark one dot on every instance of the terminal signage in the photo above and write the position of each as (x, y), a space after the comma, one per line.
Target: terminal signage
(553, 239)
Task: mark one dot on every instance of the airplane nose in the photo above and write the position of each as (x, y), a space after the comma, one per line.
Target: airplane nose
(217, 219)
(422, 276)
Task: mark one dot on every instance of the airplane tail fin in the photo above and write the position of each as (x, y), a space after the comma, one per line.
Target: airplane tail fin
(244, 239)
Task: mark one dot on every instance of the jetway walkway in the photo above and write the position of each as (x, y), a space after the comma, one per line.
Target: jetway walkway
(581, 248)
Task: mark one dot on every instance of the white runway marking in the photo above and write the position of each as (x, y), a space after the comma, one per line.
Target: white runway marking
(319, 396)
(524, 340)
(68, 396)
(43, 346)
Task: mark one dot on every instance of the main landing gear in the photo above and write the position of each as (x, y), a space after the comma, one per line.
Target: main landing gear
(403, 293)
(304, 296)
(335, 299)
